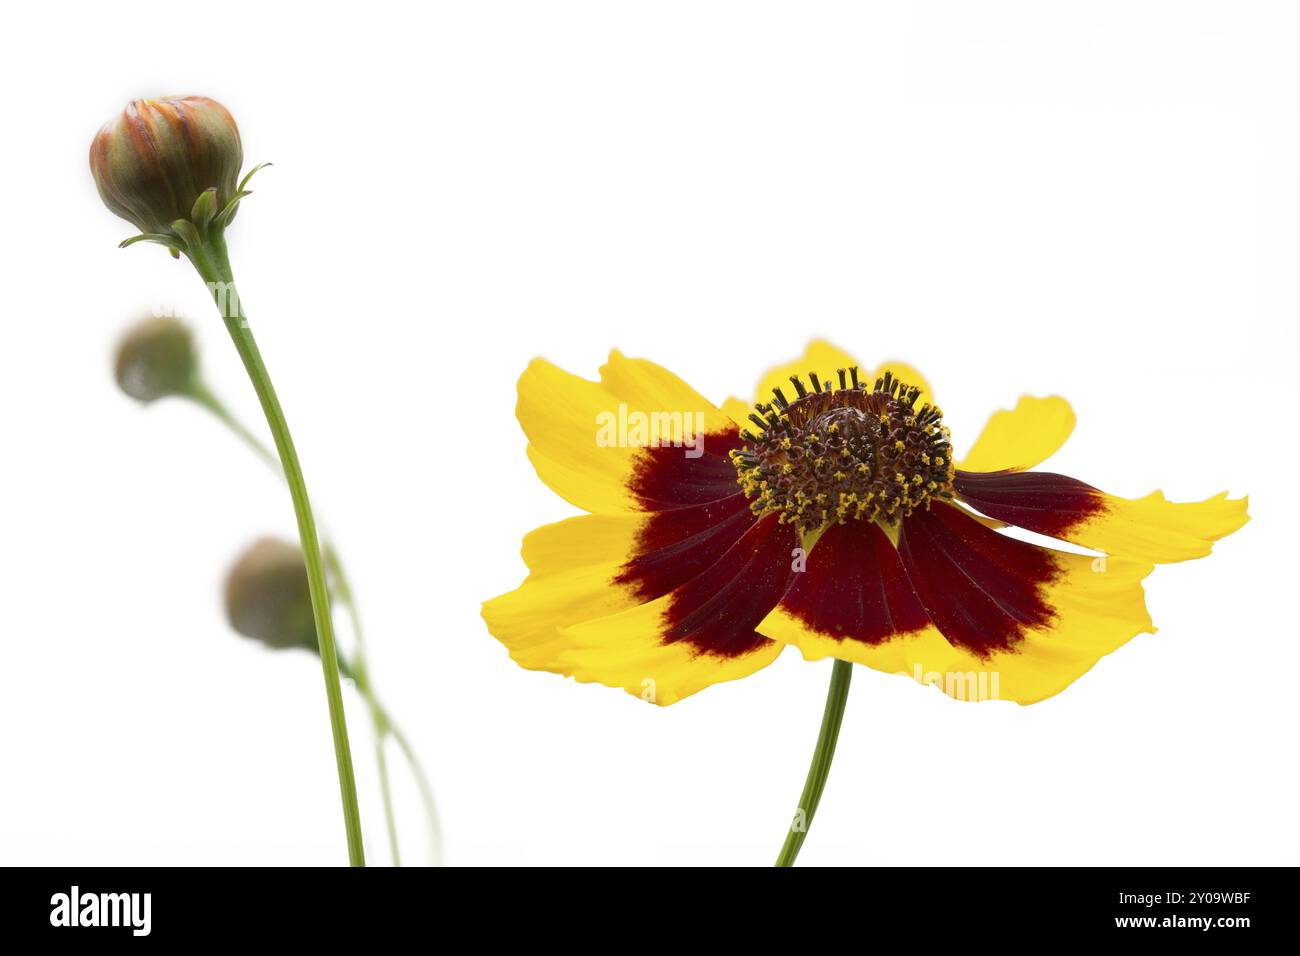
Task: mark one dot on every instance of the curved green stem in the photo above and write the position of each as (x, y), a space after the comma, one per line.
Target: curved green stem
(823, 754)
(361, 674)
(212, 261)
(425, 788)
(358, 671)
(204, 397)
(385, 727)
(385, 788)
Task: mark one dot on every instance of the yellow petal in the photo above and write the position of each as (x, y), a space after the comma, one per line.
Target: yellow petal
(737, 409)
(1023, 437)
(644, 385)
(594, 489)
(626, 650)
(584, 437)
(1159, 530)
(572, 569)
(560, 413)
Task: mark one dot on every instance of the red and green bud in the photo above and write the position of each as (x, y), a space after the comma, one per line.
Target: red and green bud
(156, 358)
(155, 162)
(268, 598)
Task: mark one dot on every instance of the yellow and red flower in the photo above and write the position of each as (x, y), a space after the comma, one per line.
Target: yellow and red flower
(830, 516)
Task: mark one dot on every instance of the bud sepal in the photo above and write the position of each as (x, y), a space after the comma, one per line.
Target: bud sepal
(204, 224)
(168, 161)
(169, 241)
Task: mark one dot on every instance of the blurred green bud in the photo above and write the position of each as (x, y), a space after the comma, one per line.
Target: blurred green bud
(156, 358)
(153, 163)
(267, 596)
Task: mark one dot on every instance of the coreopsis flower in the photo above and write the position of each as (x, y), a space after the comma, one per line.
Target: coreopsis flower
(832, 516)
(268, 598)
(171, 166)
(156, 358)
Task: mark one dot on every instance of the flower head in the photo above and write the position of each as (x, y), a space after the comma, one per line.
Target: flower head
(156, 358)
(155, 161)
(830, 515)
(268, 598)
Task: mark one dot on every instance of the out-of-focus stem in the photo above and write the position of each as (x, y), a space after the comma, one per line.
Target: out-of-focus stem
(357, 670)
(213, 264)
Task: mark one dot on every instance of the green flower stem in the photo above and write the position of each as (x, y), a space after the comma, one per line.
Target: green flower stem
(201, 395)
(386, 727)
(377, 717)
(212, 261)
(422, 783)
(389, 818)
(823, 754)
(361, 675)
(343, 593)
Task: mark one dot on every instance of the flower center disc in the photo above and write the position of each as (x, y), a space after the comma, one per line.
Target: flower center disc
(835, 454)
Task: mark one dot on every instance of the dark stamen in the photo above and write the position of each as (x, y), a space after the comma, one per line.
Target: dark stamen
(831, 456)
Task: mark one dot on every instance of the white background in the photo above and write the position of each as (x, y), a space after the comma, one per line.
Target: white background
(1093, 199)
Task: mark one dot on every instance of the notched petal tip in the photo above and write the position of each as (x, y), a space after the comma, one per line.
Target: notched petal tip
(1167, 531)
(1155, 529)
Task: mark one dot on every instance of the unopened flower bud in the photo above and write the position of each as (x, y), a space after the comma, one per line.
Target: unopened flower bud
(267, 596)
(156, 358)
(154, 162)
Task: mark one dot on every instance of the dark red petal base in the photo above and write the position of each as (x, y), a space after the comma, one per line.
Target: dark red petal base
(716, 611)
(855, 587)
(669, 478)
(723, 568)
(981, 589)
(674, 546)
(1042, 502)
